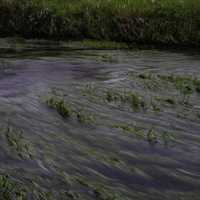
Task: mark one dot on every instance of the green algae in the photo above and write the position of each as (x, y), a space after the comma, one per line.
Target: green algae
(18, 143)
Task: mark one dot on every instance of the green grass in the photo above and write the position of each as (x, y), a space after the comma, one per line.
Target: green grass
(132, 21)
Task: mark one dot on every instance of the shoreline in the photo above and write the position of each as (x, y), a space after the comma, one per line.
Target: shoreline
(158, 24)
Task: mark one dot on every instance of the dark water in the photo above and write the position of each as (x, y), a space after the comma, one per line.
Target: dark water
(66, 151)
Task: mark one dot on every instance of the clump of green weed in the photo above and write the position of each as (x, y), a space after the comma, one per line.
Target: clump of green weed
(196, 83)
(112, 96)
(83, 117)
(138, 131)
(152, 137)
(167, 137)
(133, 99)
(9, 190)
(167, 100)
(89, 89)
(145, 76)
(61, 107)
(66, 111)
(16, 140)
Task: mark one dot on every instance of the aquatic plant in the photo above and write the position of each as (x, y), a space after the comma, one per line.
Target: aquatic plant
(127, 97)
(66, 110)
(127, 128)
(152, 137)
(89, 89)
(10, 190)
(84, 117)
(167, 137)
(111, 95)
(62, 108)
(17, 142)
(145, 76)
(170, 101)
(135, 101)
(196, 83)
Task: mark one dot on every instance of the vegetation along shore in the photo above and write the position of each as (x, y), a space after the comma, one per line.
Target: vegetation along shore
(157, 22)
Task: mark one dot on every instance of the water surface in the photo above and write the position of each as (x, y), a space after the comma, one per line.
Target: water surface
(83, 157)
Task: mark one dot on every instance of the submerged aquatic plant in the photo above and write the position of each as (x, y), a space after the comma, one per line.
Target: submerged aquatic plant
(132, 99)
(61, 107)
(17, 142)
(196, 83)
(135, 101)
(152, 137)
(66, 110)
(138, 131)
(10, 190)
(84, 117)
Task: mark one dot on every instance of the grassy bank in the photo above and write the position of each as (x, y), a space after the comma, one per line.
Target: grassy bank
(169, 22)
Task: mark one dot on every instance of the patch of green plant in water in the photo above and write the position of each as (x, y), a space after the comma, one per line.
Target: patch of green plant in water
(149, 80)
(89, 89)
(16, 140)
(145, 76)
(114, 96)
(61, 107)
(9, 190)
(138, 131)
(66, 111)
(152, 137)
(83, 117)
(196, 83)
(155, 106)
(186, 84)
(167, 100)
(134, 100)
(71, 195)
(170, 101)
(167, 137)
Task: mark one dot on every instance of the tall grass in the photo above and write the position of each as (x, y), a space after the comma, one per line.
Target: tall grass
(141, 21)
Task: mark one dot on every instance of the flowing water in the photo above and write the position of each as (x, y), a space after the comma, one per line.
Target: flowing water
(119, 150)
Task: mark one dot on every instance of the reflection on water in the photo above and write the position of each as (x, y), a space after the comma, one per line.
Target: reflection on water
(100, 153)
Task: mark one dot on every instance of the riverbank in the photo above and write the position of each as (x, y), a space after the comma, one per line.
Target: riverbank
(163, 23)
